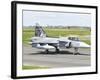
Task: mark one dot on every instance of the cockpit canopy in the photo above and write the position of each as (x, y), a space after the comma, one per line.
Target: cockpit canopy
(74, 38)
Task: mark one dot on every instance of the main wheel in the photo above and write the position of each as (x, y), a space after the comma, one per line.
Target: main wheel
(47, 51)
(57, 50)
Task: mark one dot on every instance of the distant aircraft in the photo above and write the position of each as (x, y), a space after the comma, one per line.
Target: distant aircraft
(42, 41)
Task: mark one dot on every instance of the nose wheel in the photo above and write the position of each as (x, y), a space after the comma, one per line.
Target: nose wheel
(76, 51)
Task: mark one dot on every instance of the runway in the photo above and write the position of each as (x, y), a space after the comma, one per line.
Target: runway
(38, 57)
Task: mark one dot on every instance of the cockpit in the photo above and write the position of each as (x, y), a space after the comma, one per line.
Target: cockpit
(74, 38)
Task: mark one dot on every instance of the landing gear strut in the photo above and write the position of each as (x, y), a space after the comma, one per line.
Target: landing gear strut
(57, 50)
(76, 51)
(47, 51)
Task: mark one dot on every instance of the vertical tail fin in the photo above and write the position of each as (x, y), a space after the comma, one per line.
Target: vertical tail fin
(39, 32)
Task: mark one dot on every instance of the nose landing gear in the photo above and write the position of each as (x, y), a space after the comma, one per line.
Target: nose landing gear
(76, 51)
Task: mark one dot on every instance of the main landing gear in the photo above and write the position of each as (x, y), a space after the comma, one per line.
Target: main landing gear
(57, 49)
(47, 51)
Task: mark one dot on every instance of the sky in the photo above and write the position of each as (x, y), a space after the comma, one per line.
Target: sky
(30, 18)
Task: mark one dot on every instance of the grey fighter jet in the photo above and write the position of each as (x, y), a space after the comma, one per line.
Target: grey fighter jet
(42, 41)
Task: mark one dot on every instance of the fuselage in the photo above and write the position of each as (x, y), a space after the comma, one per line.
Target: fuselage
(61, 42)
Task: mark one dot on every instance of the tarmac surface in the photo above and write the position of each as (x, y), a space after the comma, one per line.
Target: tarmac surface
(38, 57)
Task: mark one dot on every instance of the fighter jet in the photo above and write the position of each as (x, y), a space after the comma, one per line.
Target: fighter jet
(42, 41)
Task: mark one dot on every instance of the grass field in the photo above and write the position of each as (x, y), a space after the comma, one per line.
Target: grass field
(25, 67)
(54, 32)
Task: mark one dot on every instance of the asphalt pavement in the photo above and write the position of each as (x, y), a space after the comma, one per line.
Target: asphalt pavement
(65, 58)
